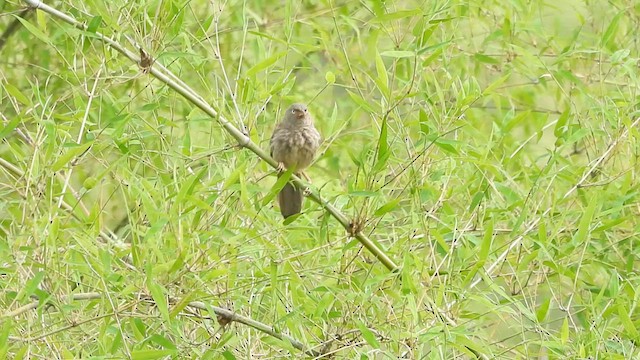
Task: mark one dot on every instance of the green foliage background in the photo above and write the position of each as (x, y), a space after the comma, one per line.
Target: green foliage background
(488, 147)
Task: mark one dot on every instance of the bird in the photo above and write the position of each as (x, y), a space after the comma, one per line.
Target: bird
(293, 145)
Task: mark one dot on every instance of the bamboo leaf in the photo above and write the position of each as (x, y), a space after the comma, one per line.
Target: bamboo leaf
(398, 54)
(34, 30)
(265, 63)
(368, 336)
(397, 15)
(72, 153)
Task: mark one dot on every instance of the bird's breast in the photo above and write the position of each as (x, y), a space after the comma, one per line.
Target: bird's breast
(295, 147)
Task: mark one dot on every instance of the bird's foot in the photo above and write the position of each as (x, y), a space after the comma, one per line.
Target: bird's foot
(304, 175)
(306, 192)
(280, 168)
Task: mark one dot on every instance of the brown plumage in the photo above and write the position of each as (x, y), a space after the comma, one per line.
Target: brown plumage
(293, 145)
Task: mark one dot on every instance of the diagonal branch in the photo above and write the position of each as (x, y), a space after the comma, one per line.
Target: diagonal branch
(163, 74)
(226, 315)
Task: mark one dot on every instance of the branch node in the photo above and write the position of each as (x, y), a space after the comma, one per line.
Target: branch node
(145, 61)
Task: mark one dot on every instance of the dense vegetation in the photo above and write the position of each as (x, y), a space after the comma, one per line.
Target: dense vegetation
(486, 149)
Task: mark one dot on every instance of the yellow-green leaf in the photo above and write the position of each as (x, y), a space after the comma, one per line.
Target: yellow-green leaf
(362, 102)
(486, 242)
(564, 331)
(265, 63)
(34, 30)
(72, 153)
(15, 92)
(386, 207)
(623, 315)
(330, 77)
(10, 126)
(397, 15)
(543, 310)
(279, 184)
(398, 53)
(368, 336)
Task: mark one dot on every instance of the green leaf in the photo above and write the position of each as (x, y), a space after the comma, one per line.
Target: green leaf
(94, 24)
(228, 355)
(486, 242)
(586, 220)
(506, 27)
(368, 336)
(277, 186)
(464, 344)
(437, 48)
(265, 63)
(408, 277)
(398, 53)
(174, 55)
(542, 233)
(282, 83)
(9, 127)
(34, 30)
(138, 328)
(364, 193)
(612, 30)
(381, 69)
(424, 37)
(629, 326)
(441, 20)
(476, 199)
(30, 286)
(495, 84)
(424, 122)
(434, 55)
(177, 264)
(397, 15)
(486, 59)
(186, 141)
(360, 101)
(386, 207)
(330, 77)
(447, 145)
(151, 354)
(578, 135)
(383, 147)
(564, 331)
(620, 55)
(72, 153)
(13, 91)
(561, 124)
(612, 223)
(383, 80)
(162, 341)
(568, 75)
(543, 310)
(156, 228)
(270, 37)
(5, 331)
(323, 304)
(158, 297)
(190, 184)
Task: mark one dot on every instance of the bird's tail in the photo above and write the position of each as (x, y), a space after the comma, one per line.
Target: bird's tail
(290, 200)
